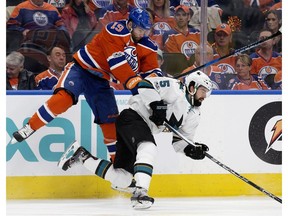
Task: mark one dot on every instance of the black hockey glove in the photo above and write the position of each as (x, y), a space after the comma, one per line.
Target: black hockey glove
(196, 152)
(158, 112)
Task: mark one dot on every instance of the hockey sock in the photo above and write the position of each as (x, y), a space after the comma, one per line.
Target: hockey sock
(55, 105)
(109, 133)
(105, 170)
(143, 166)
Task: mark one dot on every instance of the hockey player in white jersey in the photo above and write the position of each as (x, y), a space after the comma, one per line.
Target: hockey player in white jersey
(159, 99)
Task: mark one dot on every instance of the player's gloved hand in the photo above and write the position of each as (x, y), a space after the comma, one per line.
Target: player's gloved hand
(196, 152)
(158, 112)
(132, 83)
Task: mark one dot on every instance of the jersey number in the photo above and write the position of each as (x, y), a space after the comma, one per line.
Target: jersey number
(117, 26)
(164, 83)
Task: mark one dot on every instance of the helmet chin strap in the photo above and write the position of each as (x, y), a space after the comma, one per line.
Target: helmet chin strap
(191, 94)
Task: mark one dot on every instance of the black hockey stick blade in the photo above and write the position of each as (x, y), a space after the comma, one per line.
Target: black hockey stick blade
(224, 166)
(237, 51)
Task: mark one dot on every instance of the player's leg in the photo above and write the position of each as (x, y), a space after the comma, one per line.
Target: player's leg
(138, 154)
(101, 99)
(65, 95)
(77, 154)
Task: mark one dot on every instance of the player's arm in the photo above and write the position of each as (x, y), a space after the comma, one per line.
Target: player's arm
(197, 151)
(113, 45)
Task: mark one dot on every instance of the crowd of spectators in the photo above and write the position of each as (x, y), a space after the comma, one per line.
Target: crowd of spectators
(42, 36)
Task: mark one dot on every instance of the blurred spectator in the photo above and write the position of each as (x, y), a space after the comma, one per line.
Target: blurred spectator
(244, 80)
(213, 12)
(163, 19)
(139, 3)
(79, 20)
(175, 3)
(35, 14)
(215, 74)
(241, 16)
(273, 22)
(18, 78)
(181, 39)
(265, 60)
(119, 10)
(262, 5)
(276, 6)
(57, 61)
(222, 47)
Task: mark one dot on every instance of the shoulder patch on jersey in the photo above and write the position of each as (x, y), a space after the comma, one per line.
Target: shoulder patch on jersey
(118, 28)
(147, 42)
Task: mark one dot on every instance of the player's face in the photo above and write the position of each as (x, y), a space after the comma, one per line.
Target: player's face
(138, 33)
(200, 95)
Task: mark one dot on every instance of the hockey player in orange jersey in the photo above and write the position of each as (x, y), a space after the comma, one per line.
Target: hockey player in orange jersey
(121, 51)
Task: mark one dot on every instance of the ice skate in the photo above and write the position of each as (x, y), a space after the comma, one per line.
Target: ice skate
(75, 154)
(22, 134)
(140, 199)
(130, 189)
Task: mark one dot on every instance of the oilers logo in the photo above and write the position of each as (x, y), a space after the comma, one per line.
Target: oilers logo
(102, 3)
(226, 68)
(264, 71)
(40, 18)
(141, 3)
(131, 57)
(161, 27)
(188, 48)
(57, 3)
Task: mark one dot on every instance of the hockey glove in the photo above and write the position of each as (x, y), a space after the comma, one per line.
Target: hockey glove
(196, 152)
(132, 84)
(158, 112)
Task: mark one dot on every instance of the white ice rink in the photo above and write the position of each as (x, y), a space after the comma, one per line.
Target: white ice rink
(120, 206)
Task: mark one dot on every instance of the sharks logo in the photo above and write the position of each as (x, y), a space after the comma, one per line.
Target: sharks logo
(265, 133)
(174, 122)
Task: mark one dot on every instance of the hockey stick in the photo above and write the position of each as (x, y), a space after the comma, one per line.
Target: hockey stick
(225, 167)
(240, 50)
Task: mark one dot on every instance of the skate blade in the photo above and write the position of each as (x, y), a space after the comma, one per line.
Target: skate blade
(141, 205)
(13, 141)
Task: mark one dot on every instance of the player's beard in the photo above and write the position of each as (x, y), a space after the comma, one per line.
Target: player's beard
(197, 102)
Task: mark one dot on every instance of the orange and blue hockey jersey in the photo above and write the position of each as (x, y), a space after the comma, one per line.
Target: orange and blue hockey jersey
(112, 54)
(263, 67)
(227, 65)
(254, 84)
(177, 42)
(46, 80)
(27, 15)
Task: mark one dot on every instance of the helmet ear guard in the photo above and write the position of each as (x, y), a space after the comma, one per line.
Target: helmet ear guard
(197, 79)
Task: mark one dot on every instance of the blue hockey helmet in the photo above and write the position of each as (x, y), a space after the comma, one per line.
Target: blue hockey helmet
(140, 18)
